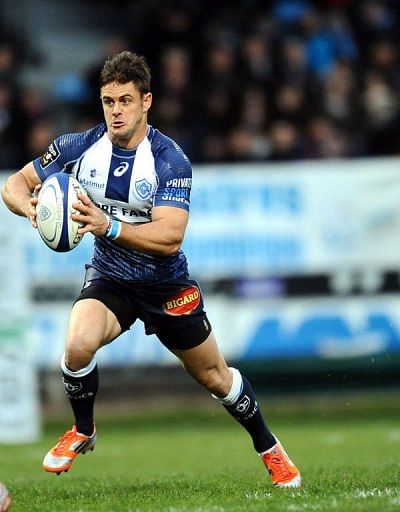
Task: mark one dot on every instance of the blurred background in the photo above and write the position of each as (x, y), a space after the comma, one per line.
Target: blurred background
(289, 111)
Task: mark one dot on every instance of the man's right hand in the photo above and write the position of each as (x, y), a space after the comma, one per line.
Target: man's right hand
(31, 211)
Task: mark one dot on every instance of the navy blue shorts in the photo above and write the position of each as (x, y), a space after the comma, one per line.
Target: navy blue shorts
(173, 310)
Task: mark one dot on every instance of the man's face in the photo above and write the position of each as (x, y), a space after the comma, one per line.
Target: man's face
(125, 112)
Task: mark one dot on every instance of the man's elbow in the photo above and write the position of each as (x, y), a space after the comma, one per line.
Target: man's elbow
(172, 249)
(5, 194)
(172, 246)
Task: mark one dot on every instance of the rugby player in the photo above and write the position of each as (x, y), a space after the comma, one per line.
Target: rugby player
(139, 183)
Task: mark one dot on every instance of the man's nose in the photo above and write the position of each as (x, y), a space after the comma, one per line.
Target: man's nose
(116, 108)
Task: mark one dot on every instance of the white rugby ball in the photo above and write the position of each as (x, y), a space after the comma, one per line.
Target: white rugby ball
(54, 209)
(5, 498)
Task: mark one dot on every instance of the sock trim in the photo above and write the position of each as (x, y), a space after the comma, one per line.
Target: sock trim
(236, 389)
(261, 454)
(79, 373)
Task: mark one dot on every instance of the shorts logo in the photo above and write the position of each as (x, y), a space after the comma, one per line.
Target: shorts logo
(243, 405)
(50, 156)
(183, 303)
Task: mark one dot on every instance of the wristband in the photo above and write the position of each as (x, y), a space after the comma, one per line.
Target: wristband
(114, 229)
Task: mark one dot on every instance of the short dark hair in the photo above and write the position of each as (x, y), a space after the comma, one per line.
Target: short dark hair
(126, 67)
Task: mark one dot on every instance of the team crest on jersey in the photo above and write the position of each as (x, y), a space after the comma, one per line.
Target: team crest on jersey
(50, 156)
(143, 188)
(92, 173)
(183, 303)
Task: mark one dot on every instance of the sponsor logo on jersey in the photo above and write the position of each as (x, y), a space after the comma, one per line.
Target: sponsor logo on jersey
(91, 184)
(180, 182)
(143, 188)
(178, 195)
(183, 303)
(50, 156)
(92, 173)
(121, 169)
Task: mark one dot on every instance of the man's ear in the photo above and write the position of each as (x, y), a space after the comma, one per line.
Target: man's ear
(147, 101)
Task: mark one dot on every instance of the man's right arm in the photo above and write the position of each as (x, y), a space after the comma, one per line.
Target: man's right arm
(18, 190)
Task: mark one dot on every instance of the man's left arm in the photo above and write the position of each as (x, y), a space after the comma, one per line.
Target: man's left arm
(163, 235)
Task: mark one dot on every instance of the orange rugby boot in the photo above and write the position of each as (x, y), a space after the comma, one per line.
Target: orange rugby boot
(69, 446)
(281, 469)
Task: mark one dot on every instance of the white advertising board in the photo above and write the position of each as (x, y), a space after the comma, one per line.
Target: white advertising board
(306, 217)
(251, 329)
(297, 218)
(270, 219)
(19, 405)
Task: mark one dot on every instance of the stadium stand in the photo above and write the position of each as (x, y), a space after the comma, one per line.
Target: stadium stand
(266, 81)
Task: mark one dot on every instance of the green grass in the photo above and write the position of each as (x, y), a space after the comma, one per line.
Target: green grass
(175, 462)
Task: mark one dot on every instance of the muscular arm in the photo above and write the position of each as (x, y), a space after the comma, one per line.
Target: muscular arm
(17, 192)
(163, 235)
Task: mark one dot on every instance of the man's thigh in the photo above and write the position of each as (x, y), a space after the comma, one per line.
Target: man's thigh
(92, 324)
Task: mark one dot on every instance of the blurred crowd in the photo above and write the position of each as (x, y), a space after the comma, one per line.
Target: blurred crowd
(232, 81)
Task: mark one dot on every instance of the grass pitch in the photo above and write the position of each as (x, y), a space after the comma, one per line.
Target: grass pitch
(181, 461)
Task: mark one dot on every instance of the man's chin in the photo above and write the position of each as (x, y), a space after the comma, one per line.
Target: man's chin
(117, 135)
(118, 130)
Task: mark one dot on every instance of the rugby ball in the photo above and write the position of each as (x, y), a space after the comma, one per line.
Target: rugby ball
(54, 209)
(5, 498)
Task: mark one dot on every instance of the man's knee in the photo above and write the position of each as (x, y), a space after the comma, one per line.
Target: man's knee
(215, 379)
(79, 351)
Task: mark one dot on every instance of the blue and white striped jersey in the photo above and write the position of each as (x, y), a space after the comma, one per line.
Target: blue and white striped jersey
(126, 183)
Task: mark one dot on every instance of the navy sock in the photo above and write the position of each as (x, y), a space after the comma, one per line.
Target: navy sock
(81, 392)
(247, 412)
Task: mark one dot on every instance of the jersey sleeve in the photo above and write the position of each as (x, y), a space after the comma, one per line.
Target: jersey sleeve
(50, 162)
(65, 150)
(174, 172)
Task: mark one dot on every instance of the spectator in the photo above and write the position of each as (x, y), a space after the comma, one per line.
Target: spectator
(39, 137)
(383, 58)
(290, 105)
(325, 140)
(380, 104)
(245, 145)
(7, 62)
(292, 65)
(255, 111)
(285, 142)
(11, 128)
(339, 96)
(251, 83)
(257, 61)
